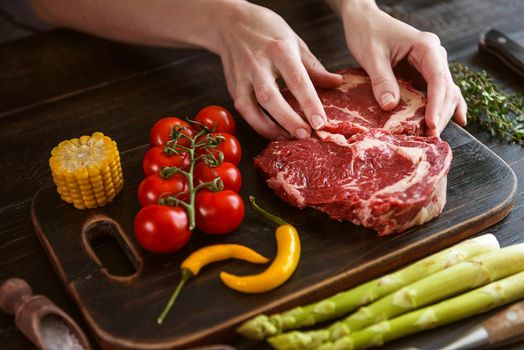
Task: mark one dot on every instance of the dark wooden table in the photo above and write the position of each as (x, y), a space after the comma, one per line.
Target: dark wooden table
(60, 84)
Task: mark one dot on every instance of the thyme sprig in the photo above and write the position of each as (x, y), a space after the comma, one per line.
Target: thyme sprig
(500, 113)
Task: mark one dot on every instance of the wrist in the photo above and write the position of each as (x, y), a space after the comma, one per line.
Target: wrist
(224, 15)
(198, 23)
(358, 14)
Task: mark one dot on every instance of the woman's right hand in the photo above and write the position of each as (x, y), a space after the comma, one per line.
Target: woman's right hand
(256, 47)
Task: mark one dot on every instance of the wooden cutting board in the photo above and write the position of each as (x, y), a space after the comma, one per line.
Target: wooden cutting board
(122, 311)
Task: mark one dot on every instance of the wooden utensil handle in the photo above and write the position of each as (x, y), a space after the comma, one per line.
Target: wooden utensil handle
(13, 294)
(506, 324)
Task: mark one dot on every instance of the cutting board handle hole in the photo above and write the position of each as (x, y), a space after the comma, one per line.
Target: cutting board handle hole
(109, 248)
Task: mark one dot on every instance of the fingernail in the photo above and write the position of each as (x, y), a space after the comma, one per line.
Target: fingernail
(386, 99)
(302, 133)
(281, 138)
(317, 121)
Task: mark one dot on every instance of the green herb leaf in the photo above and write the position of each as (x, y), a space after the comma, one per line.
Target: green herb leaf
(500, 113)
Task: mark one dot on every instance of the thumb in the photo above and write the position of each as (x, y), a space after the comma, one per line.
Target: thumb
(385, 86)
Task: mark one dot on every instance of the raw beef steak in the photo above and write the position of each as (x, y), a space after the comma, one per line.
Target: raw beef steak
(375, 179)
(352, 108)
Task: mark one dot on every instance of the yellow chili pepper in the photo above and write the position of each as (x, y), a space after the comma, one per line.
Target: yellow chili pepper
(219, 252)
(197, 260)
(282, 267)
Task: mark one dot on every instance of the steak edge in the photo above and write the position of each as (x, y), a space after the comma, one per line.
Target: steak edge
(381, 181)
(366, 165)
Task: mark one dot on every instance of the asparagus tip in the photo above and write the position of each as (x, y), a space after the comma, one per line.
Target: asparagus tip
(258, 328)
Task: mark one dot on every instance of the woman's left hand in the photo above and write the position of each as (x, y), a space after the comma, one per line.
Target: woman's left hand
(378, 42)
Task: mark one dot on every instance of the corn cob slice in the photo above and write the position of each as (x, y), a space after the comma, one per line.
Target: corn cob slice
(87, 170)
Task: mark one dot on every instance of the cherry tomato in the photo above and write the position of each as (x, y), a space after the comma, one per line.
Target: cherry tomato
(217, 119)
(162, 229)
(153, 186)
(218, 212)
(229, 146)
(160, 132)
(229, 174)
(155, 159)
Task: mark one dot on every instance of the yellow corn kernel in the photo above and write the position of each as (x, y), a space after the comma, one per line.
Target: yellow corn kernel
(87, 170)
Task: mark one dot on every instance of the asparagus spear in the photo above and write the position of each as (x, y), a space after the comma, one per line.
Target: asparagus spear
(465, 305)
(263, 326)
(456, 279)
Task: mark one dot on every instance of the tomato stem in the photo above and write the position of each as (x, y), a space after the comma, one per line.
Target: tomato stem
(216, 185)
(170, 150)
(167, 172)
(170, 200)
(202, 140)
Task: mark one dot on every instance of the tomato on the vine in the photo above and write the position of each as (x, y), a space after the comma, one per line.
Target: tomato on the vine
(162, 229)
(216, 118)
(230, 147)
(218, 212)
(154, 186)
(155, 159)
(160, 132)
(229, 173)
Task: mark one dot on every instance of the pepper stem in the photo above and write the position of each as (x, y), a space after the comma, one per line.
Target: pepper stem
(267, 214)
(186, 275)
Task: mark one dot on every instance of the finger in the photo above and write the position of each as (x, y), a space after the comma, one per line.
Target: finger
(270, 98)
(461, 114)
(448, 109)
(437, 82)
(319, 75)
(247, 106)
(385, 86)
(444, 53)
(245, 103)
(229, 75)
(430, 60)
(298, 82)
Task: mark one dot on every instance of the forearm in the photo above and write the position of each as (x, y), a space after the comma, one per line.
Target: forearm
(353, 6)
(179, 23)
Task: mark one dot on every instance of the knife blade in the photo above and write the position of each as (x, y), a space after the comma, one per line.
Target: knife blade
(504, 326)
(504, 48)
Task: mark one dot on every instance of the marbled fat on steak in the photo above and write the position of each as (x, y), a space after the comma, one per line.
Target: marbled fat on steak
(352, 108)
(365, 166)
(378, 180)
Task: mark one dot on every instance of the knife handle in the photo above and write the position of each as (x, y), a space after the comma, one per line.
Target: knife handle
(508, 51)
(505, 324)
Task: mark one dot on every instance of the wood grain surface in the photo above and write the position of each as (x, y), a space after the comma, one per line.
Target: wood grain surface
(335, 255)
(61, 84)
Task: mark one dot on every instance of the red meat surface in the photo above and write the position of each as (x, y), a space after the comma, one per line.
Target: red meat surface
(352, 108)
(366, 166)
